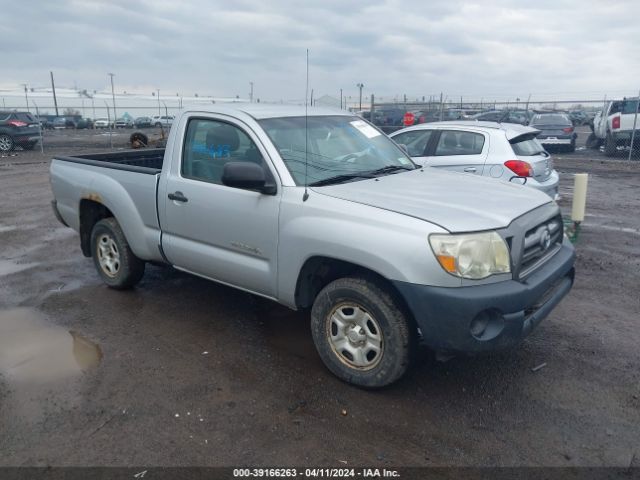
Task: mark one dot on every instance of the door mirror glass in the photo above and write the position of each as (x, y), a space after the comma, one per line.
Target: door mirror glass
(246, 175)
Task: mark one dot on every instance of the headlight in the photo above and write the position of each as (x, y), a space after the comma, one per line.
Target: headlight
(471, 255)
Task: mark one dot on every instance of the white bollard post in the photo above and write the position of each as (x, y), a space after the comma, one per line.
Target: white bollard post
(579, 197)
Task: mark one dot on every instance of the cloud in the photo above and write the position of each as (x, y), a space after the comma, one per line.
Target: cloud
(482, 49)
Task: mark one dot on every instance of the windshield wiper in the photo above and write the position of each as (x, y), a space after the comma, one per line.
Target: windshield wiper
(341, 178)
(389, 169)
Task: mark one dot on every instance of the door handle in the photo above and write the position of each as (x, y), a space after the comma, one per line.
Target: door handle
(470, 169)
(178, 197)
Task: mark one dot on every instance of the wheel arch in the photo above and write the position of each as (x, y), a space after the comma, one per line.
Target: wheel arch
(318, 271)
(91, 212)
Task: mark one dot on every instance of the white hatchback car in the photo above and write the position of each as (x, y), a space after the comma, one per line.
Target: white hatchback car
(503, 151)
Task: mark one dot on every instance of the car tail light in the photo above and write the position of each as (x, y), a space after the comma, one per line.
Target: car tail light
(568, 130)
(520, 168)
(17, 123)
(615, 123)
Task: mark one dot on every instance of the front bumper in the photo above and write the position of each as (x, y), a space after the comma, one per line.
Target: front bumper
(490, 316)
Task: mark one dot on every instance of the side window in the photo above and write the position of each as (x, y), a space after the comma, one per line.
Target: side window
(209, 145)
(459, 143)
(416, 141)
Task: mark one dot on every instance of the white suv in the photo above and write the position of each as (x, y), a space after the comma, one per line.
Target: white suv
(504, 151)
(162, 120)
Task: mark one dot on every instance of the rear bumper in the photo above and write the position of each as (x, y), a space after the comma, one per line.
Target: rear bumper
(556, 140)
(490, 316)
(54, 206)
(548, 186)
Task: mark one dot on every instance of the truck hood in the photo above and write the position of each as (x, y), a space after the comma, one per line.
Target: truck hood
(458, 202)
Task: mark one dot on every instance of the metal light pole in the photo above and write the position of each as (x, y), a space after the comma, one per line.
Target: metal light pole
(53, 89)
(251, 93)
(39, 128)
(113, 96)
(360, 86)
(340, 99)
(109, 120)
(25, 95)
(158, 90)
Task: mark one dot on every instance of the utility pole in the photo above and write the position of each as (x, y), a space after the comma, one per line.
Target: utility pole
(360, 86)
(113, 97)
(25, 95)
(158, 90)
(251, 93)
(53, 88)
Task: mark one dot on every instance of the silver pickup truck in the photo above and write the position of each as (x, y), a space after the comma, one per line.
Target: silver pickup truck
(324, 212)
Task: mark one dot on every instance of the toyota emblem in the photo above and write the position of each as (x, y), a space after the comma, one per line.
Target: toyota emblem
(545, 239)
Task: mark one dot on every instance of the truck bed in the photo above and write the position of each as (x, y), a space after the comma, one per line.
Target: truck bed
(147, 161)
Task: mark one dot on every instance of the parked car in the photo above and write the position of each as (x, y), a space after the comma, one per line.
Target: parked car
(124, 123)
(521, 117)
(500, 151)
(101, 123)
(143, 122)
(578, 117)
(556, 130)
(84, 123)
(162, 120)
(613, 127)
(383, 254)
(60, 123)
(389, 117)
(18, 129)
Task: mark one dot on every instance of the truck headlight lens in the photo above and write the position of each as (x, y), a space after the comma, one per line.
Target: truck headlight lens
(471, 255)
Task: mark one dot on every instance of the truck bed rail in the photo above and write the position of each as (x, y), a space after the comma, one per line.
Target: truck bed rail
(148, 161)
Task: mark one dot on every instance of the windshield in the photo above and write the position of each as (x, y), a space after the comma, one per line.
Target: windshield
(336, 145)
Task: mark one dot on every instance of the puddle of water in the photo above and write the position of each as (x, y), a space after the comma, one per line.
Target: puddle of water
(34, 351)
(7, 267)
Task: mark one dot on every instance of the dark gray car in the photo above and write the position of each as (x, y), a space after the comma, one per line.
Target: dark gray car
(556, 131)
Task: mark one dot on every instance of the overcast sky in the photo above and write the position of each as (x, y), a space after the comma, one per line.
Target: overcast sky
(491, 49)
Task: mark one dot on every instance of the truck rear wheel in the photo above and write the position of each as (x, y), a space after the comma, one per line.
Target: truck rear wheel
(118, 267)
(361, 333)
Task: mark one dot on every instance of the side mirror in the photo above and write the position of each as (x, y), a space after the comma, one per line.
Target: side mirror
(246, 175)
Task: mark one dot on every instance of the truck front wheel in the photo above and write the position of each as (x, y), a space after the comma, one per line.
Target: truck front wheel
(361, 333)
(118, 267)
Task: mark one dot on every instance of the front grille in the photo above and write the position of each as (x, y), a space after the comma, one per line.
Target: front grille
(540, 243)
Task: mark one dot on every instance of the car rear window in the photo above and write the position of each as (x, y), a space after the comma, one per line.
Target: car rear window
(24, 117)
(551, 120)
(527, 148)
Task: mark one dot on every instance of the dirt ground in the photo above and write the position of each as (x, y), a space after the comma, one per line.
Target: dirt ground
(182, 371)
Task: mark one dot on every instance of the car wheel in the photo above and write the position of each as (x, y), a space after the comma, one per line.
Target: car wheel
(118, 267)
(361, 333)
(158, 125)
(609, 145)
(6, 143)
(593, 142)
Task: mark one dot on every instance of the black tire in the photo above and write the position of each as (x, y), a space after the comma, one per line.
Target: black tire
(158, 125)
(609, 146)
(396, 337)
(593, 142)
(129, 269)
(6, 142)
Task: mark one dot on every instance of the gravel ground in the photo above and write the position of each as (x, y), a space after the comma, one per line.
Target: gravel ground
(181, 371)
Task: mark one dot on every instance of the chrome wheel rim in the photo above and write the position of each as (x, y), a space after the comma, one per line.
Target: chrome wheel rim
(355, 336)
(5, 143)
(108, 255)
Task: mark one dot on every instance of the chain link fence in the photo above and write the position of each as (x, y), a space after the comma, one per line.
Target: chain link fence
(607, 126)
